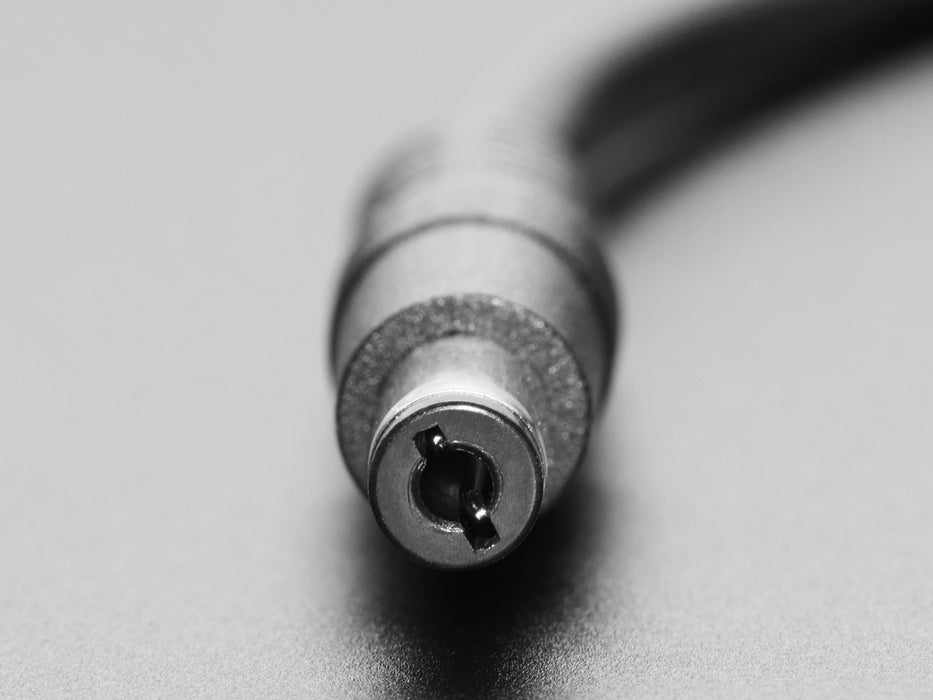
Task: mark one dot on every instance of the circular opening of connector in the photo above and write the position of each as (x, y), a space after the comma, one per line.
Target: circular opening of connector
(456, 485)
(444, 477)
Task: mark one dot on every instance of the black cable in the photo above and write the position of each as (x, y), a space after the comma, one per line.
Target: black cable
(700, 80)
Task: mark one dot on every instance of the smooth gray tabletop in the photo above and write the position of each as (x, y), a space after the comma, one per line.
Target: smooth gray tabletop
(176, 187)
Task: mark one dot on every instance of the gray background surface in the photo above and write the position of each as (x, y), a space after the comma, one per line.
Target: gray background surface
(176, 182)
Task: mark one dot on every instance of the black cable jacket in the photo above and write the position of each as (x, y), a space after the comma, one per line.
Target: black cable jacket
(699, 81)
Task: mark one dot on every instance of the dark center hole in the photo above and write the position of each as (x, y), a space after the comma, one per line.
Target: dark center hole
(450, 470)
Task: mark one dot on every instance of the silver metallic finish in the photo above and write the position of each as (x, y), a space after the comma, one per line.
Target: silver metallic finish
(474, 273)
(483, 420)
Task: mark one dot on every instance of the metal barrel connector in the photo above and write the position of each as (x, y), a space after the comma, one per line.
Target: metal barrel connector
(473, 340)
(456, 470)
